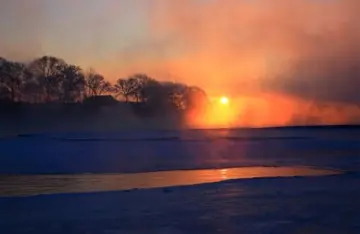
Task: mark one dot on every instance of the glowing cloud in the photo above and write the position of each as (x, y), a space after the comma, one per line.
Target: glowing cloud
(281, 62)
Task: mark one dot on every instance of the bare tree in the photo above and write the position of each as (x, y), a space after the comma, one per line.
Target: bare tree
(11, 78)
(144, 86)
(52, 79)
(73, 83)
(47, 72)
(96, 84)
(126, 88)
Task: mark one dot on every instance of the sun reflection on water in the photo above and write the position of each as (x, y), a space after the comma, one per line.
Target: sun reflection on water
(18, 185)
(223, 174)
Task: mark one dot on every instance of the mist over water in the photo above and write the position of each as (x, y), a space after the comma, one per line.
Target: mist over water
(285, 62)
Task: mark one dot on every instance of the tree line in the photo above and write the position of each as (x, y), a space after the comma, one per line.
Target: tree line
(50, 79)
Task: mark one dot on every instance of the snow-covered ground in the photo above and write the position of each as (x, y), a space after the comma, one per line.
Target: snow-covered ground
(287, 205)
(326, 204)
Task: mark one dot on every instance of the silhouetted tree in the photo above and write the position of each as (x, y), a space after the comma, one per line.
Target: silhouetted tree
(151, 91)
(96, 84)
(126, 88)
(32, 91)
(72, 83)
(48, 79)
(11, 79)
(145, 86)
(47, 72)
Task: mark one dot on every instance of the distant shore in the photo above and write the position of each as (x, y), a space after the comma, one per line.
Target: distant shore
(92, 125)
(43, 118)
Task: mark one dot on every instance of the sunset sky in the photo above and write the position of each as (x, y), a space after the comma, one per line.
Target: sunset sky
(280, 61)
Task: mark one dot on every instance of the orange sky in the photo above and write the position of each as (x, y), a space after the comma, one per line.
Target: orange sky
(280, 61)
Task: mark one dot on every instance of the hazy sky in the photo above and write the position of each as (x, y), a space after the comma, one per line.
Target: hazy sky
(303, 55)
(81, 31)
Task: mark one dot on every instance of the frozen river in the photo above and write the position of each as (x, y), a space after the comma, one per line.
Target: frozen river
(27, 185)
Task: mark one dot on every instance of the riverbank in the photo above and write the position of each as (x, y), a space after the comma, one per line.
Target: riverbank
(278, 205)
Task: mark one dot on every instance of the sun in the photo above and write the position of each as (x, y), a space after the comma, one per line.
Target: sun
(224, 100)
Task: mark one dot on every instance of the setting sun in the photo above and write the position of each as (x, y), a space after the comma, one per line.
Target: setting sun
(224, 100)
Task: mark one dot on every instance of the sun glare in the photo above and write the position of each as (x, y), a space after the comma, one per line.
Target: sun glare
(221, 113)
(224, 100)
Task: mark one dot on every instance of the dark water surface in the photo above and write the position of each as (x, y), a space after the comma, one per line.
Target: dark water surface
(27, 185)
(146, 151)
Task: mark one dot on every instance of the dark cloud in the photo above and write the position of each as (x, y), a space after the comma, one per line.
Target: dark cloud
(328, 70)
